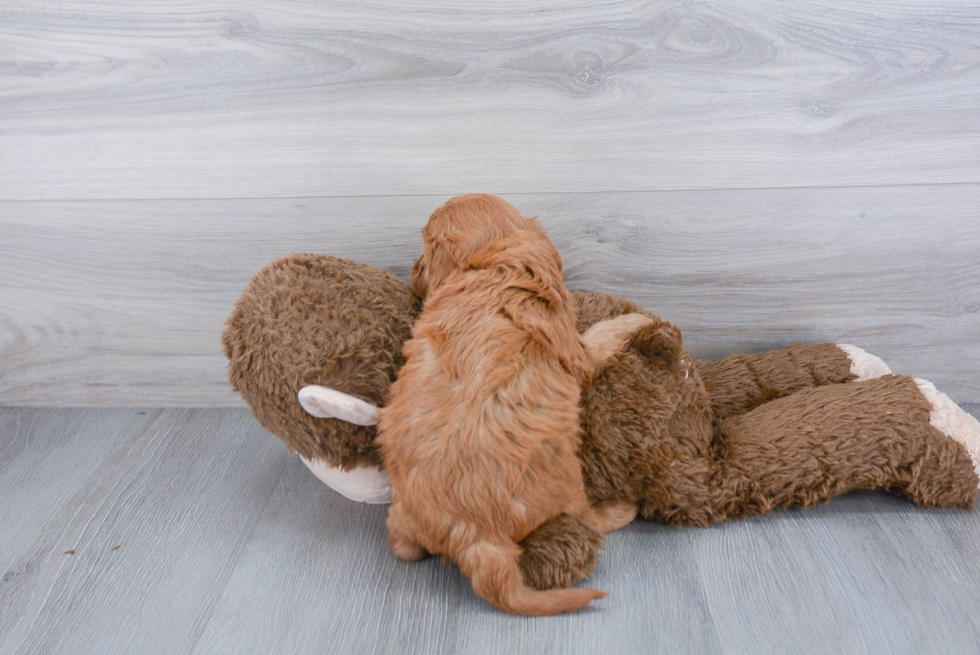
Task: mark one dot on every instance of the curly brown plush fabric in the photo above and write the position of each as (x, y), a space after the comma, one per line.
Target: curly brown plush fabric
(690, 442)
(594, 307)
(805, 449)
(695, 442)
(314, 319)
(739, 383)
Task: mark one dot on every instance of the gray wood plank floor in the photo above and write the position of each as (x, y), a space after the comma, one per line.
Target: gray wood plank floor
(228, 545)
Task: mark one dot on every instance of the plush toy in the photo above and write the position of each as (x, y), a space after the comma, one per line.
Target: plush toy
(315, 341)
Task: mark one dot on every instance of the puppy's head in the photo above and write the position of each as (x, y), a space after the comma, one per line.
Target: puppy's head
(459, 229)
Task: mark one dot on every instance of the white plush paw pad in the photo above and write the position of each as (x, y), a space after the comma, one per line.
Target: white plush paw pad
(863, 364)
(364, 484)
(950, 419)
(607, 338)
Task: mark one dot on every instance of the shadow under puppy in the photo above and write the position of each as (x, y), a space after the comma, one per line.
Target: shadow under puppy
(481, 432)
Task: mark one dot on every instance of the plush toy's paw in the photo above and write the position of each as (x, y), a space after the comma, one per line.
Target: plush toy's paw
(953, 421)
(364, 484)
(330, 403)
(661, 343)
(606, 338)
(863, 364)
(560, 552)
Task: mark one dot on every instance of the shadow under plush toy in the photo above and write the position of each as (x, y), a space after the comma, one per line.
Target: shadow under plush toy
(690, 442)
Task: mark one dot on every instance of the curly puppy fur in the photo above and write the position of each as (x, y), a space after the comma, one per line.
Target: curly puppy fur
(481, 431)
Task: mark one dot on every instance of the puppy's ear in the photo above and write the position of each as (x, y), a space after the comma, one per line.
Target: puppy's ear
(538, 303)
(534, 226)
(325, 402)
(420, 278)
(438, 261)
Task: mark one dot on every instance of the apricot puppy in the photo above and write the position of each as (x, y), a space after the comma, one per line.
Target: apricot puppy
(481, 428)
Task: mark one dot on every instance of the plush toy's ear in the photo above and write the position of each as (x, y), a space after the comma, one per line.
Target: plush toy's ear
(330, 403)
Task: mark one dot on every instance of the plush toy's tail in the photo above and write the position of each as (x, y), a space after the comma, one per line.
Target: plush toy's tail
(493, 568)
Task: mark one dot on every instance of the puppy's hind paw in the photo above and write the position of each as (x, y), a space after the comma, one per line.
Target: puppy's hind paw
(406, 550)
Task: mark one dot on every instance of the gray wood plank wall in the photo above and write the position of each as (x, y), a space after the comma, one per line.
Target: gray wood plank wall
(758, 173)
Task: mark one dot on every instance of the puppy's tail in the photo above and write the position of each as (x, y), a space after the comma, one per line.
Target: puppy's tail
(494, 570)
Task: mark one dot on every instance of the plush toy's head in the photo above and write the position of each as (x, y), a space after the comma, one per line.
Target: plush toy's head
(319, 320)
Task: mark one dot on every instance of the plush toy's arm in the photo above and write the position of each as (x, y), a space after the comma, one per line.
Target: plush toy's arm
(740, 383)
(365, 484)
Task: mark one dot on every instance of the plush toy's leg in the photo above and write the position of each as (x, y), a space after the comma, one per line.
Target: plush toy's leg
(864, 365)
(950, 419)
(610, 517)
(821, 442)
(740, 383)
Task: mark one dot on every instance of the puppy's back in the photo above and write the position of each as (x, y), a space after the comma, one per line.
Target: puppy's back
(491, 385)
(481, 431)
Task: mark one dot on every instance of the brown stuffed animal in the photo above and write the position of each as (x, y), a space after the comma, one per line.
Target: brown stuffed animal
(689, 442)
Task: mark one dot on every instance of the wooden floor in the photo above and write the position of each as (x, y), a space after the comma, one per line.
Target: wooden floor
(192, 531)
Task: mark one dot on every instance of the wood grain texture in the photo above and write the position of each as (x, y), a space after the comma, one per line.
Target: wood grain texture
(228, 545)
(251, 99)
(122, 303)
(34, 445)
(178, 493)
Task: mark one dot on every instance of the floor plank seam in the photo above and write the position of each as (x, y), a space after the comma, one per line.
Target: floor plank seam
(200, 626)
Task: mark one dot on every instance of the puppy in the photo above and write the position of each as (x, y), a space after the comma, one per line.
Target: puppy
(481, 428)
